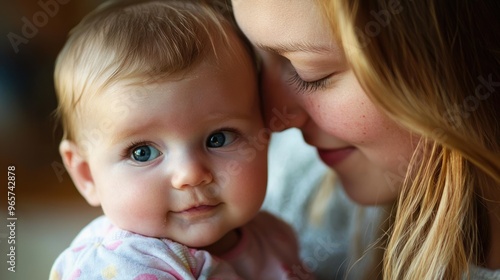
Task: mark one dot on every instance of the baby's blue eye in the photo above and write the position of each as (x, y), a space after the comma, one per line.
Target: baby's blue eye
(220, 139)
(145, 153)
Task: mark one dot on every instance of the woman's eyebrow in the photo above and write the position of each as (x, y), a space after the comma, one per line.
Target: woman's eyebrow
(294, 47)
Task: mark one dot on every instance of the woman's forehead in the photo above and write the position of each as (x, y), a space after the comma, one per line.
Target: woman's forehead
(276, 23)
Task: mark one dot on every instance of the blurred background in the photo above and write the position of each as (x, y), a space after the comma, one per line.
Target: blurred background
(48, 208)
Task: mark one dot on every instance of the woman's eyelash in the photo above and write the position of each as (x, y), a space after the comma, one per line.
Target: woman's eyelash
(307, 87)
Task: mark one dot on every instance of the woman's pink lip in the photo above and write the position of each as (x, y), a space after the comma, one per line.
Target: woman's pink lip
(333, 157)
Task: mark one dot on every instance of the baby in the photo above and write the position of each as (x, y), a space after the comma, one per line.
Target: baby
(162, 129)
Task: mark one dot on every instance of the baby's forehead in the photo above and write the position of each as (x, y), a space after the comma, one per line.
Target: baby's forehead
(204, 95)
(124, 93)
(129, 90)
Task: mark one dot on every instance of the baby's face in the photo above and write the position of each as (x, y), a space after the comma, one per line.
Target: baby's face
(184, 159)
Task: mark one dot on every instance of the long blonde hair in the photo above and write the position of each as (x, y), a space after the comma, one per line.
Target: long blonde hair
(432, 67)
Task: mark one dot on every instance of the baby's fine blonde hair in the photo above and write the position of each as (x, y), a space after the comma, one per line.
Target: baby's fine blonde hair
(139, 42)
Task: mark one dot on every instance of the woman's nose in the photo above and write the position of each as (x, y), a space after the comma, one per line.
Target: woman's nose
(190, 171)
(282, 107)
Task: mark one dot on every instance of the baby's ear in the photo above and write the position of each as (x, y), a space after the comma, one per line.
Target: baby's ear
(79, 170)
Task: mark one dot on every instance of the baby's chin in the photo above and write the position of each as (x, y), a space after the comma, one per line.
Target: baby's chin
(222, 244)
(213, 237)
(203, 238)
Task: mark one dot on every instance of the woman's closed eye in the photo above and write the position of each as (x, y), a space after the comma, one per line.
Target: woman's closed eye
(309, 86)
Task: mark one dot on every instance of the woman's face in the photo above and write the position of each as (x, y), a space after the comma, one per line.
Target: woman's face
(307, 83)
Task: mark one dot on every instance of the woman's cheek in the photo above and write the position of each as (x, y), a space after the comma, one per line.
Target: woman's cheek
(341, 116)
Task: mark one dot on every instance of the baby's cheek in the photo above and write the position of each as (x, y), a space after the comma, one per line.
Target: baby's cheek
(253, 176)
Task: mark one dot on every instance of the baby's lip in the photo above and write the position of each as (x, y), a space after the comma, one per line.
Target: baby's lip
(199, 207)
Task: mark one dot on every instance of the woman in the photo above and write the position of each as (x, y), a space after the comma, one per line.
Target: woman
(401, 101)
